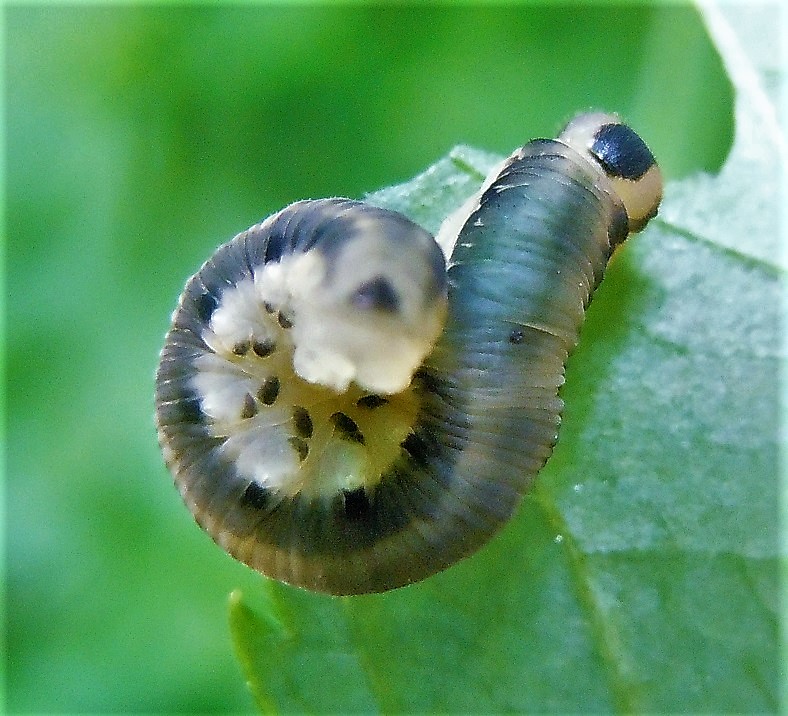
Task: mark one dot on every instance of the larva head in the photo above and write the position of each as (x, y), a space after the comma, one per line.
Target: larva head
(368, 300)
(623, 157)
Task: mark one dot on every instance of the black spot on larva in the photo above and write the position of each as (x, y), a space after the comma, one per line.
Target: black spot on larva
(284, 321)
(269, 390)
(269, 307)
(249, 408)
(516, 336)
(190, 411)
(241, 348)
(622, 152)
(376, 294)
(618, 229)
(275, 247)
(372, 401)
(357, 503)
(347, 428)
(417, 448)
(300, 446)
(302, 422)
(263, 349)
(205, 304)
(428, 381)
(256, 496)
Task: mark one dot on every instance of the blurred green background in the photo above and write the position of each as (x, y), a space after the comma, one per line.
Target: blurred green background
(138, 138)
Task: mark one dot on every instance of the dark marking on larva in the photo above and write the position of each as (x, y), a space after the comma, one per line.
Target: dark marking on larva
(256, 496)
(417, 448)
(347, 428)
(205, 304)
(357, 503)
(190, 410)
(427, 381)
(269, 390)
(241, 348)
(377, 294)
(300, 446)
(372, 401)
(269, 307)
(618, 228)
(302, 422)
(275, 247)
(622, 152)
(516, 337)
(249, 408)
(263, 349)
(284, 321)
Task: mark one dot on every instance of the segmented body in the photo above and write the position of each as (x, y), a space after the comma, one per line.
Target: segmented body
(324, 482)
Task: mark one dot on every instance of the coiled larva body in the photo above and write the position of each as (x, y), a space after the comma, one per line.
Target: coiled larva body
(328, 474)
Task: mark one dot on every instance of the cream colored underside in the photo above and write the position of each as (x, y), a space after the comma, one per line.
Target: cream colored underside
(261, 445)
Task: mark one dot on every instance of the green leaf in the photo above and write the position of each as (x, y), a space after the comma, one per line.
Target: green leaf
(642, 573)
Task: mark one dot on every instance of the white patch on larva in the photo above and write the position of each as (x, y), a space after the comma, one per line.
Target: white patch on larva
(283, 284)
(453, 223)
(222, 387)
(335, 347)
(641, 196)
(343, 465)
(239, 316)
(277, 283)
(266, 457)
(335, 343)
(581, 132)
(323, 367)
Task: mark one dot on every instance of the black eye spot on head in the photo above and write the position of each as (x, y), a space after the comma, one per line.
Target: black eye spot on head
(622, 152)
(376, 294)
